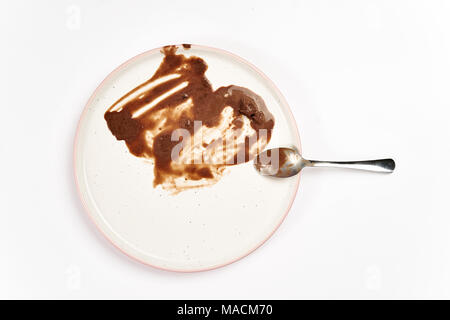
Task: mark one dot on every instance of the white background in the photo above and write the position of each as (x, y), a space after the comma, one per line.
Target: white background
(365, 79)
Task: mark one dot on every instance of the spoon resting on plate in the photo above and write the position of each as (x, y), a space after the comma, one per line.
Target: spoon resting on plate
(287, 162)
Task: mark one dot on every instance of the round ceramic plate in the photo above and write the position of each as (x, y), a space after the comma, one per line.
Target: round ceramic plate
(196, 229)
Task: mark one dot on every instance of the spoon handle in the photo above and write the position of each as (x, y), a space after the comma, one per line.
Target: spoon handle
(380, 165)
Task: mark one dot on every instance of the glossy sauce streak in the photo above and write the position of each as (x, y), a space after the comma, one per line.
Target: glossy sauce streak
(179, 96)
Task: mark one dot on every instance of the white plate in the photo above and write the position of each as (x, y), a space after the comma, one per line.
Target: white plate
(198, 229)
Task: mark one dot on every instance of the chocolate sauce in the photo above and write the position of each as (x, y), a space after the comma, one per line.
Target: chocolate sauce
(179, 96)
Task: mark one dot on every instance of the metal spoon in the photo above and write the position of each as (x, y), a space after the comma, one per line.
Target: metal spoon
(287, 162)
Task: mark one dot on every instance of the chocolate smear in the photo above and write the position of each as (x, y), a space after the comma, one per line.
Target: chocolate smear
(190, 132)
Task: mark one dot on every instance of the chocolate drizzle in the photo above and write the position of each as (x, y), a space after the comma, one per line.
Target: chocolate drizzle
(179, 96)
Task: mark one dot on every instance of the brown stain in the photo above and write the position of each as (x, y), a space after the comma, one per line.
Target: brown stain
(148, 132)
(186, 45)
